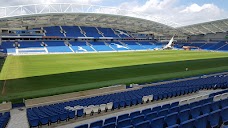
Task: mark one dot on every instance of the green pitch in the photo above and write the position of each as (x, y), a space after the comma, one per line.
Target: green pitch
(42, 75)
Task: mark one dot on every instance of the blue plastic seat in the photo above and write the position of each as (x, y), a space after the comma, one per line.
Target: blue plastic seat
(122, 117)
(157, 122)
(82, 126)
(143, 124)
(109, 125)
(110, 120)
(174, 104)
(133, 114)
(44, 120)
(163, 112)
(71, 114)
(182, 107)
(80, 112)
(195, 111)
(187, 124)
(171, 119)
(158, 108)
(166, 106)
(215, 106)
(184, 115)
(34, 122)
(224, 114)
(174, 109)
(206, 108)
(146, 111)
(98, 123)
(224, 103)
(151, 115)
(214, 118)
(124, 123)
(116, 104)
(137, 119)
(201, 121)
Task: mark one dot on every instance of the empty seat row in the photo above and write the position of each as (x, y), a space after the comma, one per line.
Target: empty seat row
(212, 119)
(207, 113)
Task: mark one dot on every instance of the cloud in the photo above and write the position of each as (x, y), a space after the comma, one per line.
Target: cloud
(195, 8)
(167, 12)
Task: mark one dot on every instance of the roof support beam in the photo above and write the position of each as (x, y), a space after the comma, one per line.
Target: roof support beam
(207, 29)
(218, 27)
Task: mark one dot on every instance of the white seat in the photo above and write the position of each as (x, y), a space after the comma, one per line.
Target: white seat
(103, 107)
(145, 99)
(67, 107)
(183, 102)
(150, 97)
(191, 100)
(217, 98)
(95, 108)
(88, 110)
(91, 106)
(109, 105)
(224, 96)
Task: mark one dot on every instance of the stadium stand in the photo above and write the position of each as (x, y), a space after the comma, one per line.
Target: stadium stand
(77, 31)
(100, 46)
(91, 31)
(57, 46)
(198, 113)
(107, 32)
(89, 106)
(53, 31)
(30, 44)
(81, 47)
(118, 46)
(31, 47)
(134, 46)
(8, 47)
(72, 31)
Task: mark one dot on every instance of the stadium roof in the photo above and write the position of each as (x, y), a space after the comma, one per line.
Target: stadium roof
(82, 15)
(205, 28)
(39, 15)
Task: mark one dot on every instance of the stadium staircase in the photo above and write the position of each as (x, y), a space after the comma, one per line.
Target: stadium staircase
(117, 35)
(69, 45)
(82, 32)
(107, 44)
(91, 46)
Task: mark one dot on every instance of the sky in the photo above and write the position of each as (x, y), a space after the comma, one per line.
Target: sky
(181, 12)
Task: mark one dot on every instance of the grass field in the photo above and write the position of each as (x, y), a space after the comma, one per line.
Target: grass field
(42, 75)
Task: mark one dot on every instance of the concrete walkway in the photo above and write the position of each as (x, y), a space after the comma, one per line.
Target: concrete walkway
(18, 118)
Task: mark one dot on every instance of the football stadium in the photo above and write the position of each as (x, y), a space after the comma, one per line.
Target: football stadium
(69, 65)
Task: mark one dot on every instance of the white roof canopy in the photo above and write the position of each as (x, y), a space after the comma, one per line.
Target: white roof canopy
(205, 28)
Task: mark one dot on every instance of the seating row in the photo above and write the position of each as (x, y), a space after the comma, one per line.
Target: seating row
(200, 114)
